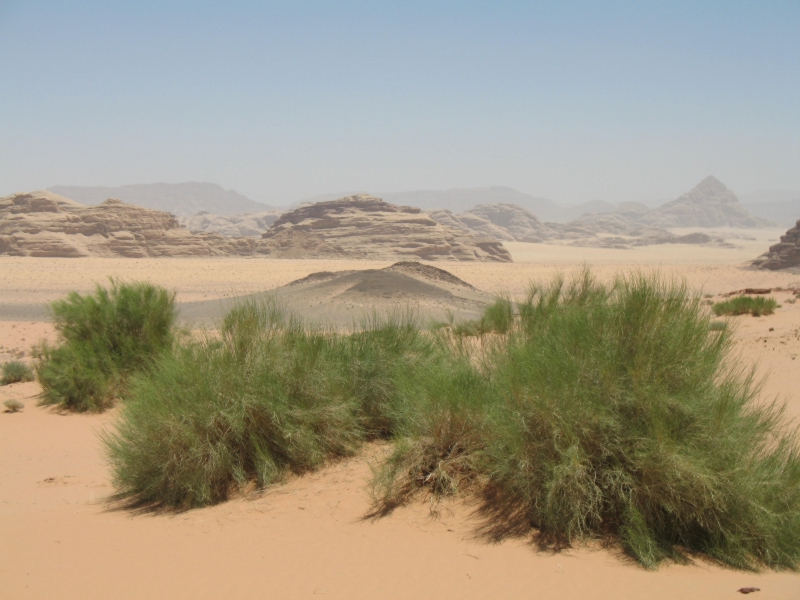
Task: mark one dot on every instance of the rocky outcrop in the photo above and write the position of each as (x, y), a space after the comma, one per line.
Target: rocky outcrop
(364, 226)
(506, 222)
(244, 225)
(783, 255)
(45, 224)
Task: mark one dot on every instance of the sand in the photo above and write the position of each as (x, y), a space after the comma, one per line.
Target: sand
(310, 537)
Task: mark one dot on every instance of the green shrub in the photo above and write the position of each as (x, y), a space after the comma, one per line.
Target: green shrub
(104, 338)
(15, 372)
(604, 410)
(742, 305)
(270, 397)
(613, 410)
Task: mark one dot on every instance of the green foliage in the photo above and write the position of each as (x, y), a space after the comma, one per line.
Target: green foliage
(742, 305)
(15, 372)
(104, 338)
(612, 409)
(592, 410)
(268, 397)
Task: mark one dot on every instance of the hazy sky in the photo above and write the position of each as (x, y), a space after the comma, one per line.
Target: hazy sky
(281, 100)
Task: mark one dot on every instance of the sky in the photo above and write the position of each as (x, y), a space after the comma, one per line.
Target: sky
(572, 101)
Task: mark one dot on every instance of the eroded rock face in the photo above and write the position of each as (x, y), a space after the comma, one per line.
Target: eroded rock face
(783, 255)
(45, 224)
(364, 226)
(507, 222)
(244, 225)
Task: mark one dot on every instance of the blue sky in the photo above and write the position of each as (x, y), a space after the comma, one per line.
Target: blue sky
(282, 100)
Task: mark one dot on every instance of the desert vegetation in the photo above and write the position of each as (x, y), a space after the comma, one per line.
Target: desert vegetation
(743, 305)
(585, 411)
(15, 371)
(103, 339)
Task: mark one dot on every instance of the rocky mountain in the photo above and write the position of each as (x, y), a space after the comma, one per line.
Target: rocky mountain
(783, 255)
(708, 204)
(364, 226)
(511, 223)
(180, 199)
(45, 224)
(246, 225)
(505, 222)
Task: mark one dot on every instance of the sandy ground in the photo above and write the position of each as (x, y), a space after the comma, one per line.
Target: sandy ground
(60, 538)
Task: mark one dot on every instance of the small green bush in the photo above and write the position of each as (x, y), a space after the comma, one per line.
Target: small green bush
(13, 406)
(15, 372)
(104, 338)
(742, 305)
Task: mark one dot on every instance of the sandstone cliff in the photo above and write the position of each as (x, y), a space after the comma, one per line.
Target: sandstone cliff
(45, 224)
(364, 226)
(783, 255)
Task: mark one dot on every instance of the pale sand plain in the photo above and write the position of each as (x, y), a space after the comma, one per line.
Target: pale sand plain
(310, 537)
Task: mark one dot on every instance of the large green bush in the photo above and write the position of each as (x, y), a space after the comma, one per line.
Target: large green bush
(103, 339)
(268, 397)
(589, 411)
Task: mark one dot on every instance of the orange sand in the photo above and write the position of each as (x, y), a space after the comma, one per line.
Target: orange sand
(309, 538)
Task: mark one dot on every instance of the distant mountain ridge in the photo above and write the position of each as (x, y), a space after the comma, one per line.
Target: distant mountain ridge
(180, 199)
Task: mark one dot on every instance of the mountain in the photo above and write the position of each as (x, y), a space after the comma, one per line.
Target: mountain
(781, 206)
(180, 199)
(708, 204)
(364, 226)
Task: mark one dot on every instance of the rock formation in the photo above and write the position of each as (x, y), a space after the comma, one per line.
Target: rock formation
(364, 226)
(506, 222)
(45, 224)
(244, 225)
(783, 255)
(709, 204)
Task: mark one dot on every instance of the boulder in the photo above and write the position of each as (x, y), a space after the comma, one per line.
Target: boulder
(783, 255)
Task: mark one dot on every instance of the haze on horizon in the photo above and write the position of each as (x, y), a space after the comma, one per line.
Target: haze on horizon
(572, 101)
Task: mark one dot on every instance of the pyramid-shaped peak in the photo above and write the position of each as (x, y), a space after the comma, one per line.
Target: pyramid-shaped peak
(711, 186)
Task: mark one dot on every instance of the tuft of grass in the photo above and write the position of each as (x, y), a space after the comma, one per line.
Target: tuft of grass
(742, 305)
(13, 406)
(717, 326)
(612, 410)
(104, 338)
(268, 397)
(15, 371)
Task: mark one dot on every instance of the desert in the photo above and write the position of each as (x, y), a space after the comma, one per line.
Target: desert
(428, 300)
(315, 531)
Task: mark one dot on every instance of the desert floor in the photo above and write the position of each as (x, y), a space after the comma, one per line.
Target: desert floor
(311, 536)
